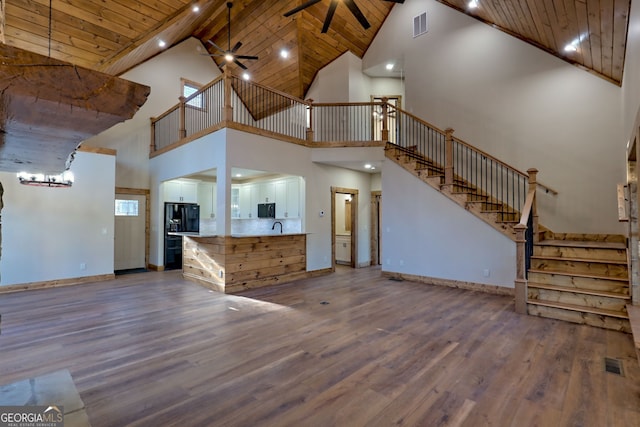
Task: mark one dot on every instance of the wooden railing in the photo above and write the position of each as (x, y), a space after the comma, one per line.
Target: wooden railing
(233, 102)
(526, 236)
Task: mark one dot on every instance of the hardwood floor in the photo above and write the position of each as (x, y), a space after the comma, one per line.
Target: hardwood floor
(153, 349)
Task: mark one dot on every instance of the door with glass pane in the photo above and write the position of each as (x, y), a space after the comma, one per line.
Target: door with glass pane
(130, 238)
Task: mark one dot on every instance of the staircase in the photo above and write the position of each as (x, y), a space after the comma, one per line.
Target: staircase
(580, 279)
(577, 278)
(495, 213)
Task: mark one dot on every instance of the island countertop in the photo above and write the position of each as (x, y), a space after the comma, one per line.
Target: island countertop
(236, 235)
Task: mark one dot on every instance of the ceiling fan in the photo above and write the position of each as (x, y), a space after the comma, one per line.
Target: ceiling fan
(351, 4)
(229, 54)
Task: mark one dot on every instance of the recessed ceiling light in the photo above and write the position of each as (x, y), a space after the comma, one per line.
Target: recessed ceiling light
(238, 175)
(196, 8)
(368, 166)
(161, 43)
(246, 76)
(472, 4)
(284, 53)
(570, 47)
(389, 67)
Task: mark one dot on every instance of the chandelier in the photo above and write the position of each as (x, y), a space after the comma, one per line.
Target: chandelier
(65, 179)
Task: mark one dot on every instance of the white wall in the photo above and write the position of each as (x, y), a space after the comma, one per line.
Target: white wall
(48, 232)
(429, 235)
(162, 73)
(229, 148)
(631, 79)
(343, 81)
(526, 107)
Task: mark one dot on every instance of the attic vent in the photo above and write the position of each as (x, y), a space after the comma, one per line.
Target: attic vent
(420, 25)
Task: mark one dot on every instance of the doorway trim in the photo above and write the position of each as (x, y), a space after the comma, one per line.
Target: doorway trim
(376, 224)
(354, 224)
(147, 216)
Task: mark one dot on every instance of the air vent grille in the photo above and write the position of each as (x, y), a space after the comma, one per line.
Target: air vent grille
(613, 366)
(420, 24)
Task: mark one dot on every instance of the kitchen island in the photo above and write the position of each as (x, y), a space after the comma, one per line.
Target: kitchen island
(235, 263)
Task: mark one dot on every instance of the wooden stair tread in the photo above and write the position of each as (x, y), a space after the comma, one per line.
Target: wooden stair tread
(580, 291)
(580, 308)
(588, 276)
(599, 261)
(582, 244)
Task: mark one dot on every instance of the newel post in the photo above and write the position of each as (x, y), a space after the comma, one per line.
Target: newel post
(448, 157)
(521, 280)
(152, 143)
(310, 120)
(533, 183)
(228, 107)
(385, 119)
(183, 126)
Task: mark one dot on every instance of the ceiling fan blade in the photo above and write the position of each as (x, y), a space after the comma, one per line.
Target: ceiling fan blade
(239, 64)
(299, 8)
(330, 12)
(222, 64)
(246, 57)
(236, 47)
(215, 45)
(355, 10)
(396, 1)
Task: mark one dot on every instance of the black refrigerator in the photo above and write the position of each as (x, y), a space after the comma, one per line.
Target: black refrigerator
(178, 218)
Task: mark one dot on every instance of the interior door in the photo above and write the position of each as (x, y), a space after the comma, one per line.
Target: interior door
(129, 244)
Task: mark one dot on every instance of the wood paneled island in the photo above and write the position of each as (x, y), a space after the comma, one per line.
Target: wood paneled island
(232, 264)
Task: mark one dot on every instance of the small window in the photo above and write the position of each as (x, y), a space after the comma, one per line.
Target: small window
(126, 207)
(188, 89)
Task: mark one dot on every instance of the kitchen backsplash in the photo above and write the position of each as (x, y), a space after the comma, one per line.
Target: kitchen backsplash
(265, 226)
(207, 226)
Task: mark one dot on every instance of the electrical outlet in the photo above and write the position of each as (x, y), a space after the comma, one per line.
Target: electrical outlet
(221, 274)
(486, 272)
(83, 266)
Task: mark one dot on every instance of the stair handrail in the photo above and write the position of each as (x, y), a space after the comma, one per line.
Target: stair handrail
(526, 234)
(476, 149)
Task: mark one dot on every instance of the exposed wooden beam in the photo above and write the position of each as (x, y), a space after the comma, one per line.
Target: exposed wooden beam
(173, 29)
(2, 9)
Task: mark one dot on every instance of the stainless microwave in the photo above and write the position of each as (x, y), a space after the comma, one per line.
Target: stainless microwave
(266, 210)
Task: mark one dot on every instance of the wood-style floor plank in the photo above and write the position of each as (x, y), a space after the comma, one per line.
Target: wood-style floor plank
(153, 349)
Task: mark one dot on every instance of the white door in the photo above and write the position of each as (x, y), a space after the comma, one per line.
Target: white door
(130, 213)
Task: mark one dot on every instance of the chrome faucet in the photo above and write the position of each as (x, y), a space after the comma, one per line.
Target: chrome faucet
(274, 226)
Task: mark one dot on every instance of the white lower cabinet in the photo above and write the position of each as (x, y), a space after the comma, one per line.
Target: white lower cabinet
(343, 249)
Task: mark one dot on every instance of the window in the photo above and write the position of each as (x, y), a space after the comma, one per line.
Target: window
(188, 89)
(126, 207)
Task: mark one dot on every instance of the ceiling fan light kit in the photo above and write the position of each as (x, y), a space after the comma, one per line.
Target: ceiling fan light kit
(229, 54)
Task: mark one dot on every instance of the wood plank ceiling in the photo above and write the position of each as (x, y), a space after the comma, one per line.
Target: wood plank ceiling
(114, 36)
(597, 29)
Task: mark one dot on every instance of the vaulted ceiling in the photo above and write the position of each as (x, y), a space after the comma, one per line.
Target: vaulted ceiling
(116, 35)
(591, 34)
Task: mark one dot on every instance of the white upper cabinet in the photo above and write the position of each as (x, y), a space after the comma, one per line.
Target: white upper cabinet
(207, 200)
(287, 197)
(293, 198)
(179, 191)
(244, 205)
